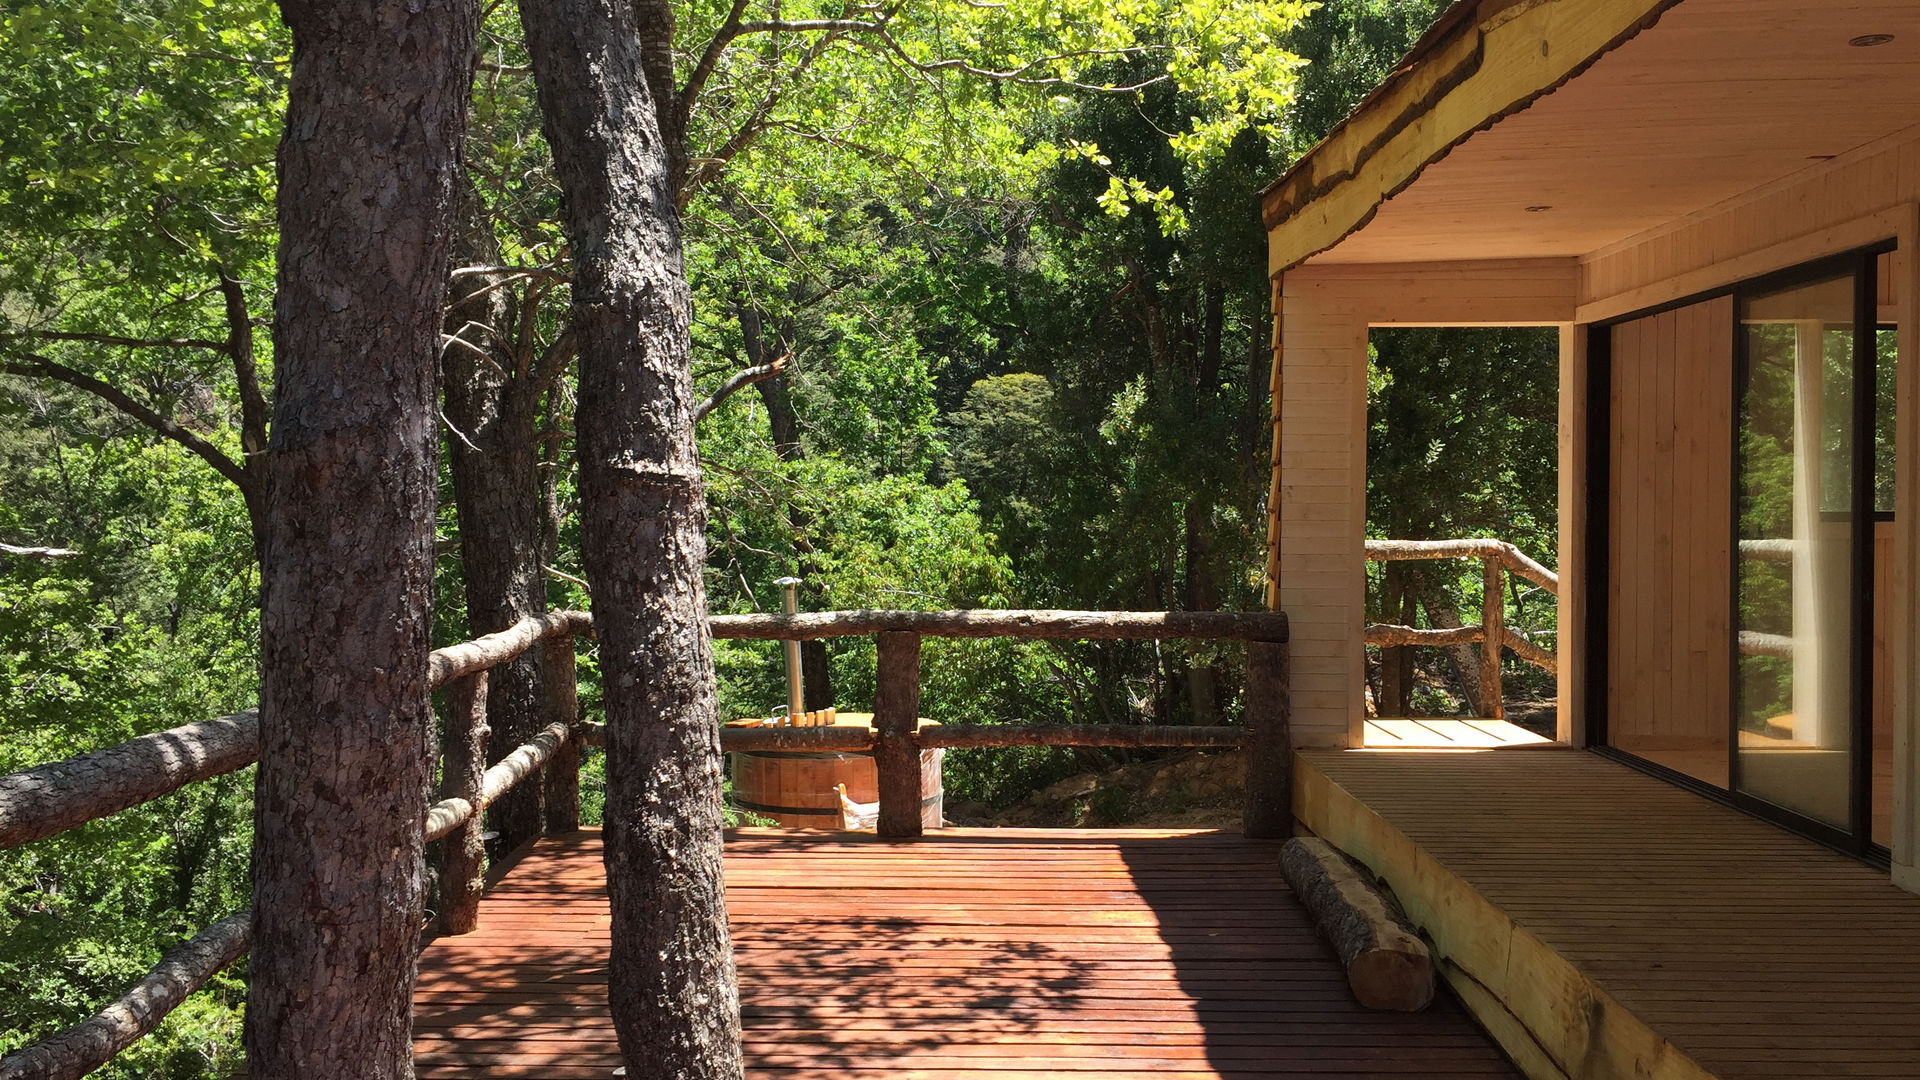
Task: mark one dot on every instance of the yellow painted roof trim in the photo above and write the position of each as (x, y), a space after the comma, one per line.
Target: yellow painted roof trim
(1483, 60)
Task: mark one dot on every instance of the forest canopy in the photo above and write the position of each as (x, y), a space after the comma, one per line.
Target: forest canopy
(980, 309)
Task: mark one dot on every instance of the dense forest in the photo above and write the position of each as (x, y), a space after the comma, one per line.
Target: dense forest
(981, 334)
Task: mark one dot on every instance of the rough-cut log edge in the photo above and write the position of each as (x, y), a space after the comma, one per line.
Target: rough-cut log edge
(445, 665)
(93, 1042)
(448, 814)
(1388, 966)
(1531, 653)
(981, 623)
(49, 799)
(1759, 643)
(1393, 634)
(973, 736)
(1469, 548)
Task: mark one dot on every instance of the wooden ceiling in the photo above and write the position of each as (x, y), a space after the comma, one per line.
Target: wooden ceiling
(1716, 98)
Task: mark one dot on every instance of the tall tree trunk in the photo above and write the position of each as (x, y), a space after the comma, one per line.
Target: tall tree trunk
(493, 406)
(1442, 615)
(675, 1007)
(377, 107)
(777, 395)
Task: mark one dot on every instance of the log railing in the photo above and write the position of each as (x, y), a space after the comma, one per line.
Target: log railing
(1497, 558)
(50, 799)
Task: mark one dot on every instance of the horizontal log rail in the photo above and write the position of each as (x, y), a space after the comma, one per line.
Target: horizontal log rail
(1497, 557)
(46, 800)
(1510, 557)
(94, 1041)
(985, 623)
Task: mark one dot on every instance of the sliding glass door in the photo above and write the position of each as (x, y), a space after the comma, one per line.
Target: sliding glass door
(1803, 548)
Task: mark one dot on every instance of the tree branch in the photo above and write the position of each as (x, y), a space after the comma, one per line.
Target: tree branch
(33, 366)
(253, 403)
(710, 58)
(743, 378)
(115, 339)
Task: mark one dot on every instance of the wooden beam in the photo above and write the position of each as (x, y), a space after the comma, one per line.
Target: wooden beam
(896, 716)
(94, 1041)
(1267, 812)
(463, 773)
(1129, 735)
(1493, 59)
(49, 799)
(982, 623)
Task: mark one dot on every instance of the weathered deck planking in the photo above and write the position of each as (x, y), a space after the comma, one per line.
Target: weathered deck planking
(1751, 951)
(984, 954)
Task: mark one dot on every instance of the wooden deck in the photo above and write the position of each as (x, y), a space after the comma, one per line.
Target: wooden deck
(1624, 926)
(972, 954)
(1429, 733)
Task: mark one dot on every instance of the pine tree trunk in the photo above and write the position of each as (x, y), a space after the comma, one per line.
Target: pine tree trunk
(493, 456)
(672, 995)
(377, 107)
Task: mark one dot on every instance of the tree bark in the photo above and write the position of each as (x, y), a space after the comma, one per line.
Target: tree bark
(463, 772)
(493, 406)
(1388, 966)
(377, 108)
(896, 716)
(672, 994)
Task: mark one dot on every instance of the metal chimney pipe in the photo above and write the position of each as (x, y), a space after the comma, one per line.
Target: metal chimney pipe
(796, 702)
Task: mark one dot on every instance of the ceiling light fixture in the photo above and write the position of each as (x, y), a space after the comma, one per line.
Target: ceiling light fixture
(1538, 209)
(1868, 41)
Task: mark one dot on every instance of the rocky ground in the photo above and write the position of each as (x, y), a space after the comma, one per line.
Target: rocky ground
(1199, 790)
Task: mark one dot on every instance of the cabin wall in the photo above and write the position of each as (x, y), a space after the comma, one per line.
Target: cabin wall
(1863, 197)
(1325, 316)
(1669, 505)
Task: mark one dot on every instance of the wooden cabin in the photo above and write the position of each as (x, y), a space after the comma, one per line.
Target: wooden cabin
(1716, 202)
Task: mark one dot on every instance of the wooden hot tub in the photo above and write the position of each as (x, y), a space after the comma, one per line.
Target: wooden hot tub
(795, 788)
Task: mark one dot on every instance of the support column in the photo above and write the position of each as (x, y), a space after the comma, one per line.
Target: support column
(1322, 449)
(1570, 613)
(1902, 633)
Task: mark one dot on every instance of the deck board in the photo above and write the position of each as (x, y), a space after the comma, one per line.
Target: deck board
(989, 954)
(1753, 951)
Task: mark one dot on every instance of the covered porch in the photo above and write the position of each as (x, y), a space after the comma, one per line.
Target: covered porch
(1602, 923)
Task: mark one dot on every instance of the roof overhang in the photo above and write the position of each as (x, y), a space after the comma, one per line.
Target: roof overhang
(1552, 128)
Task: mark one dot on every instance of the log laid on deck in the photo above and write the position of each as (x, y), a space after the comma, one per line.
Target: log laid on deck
(1069, 625)
(93, 1042)
(1388, 966)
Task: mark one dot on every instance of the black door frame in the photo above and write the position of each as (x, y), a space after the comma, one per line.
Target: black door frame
(1863, 264)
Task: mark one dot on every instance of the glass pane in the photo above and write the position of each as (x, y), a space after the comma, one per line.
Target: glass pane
(1793, 621)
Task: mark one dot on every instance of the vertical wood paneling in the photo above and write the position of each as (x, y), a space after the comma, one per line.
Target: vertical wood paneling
(1671, 497)
(1323, 509)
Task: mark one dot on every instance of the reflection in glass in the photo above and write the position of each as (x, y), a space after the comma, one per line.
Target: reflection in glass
(1793, 694)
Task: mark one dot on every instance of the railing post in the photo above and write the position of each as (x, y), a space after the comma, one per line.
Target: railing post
(463, 767)
(560, 701)
(896, 719)
(1268, 812)
(1493, 626)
